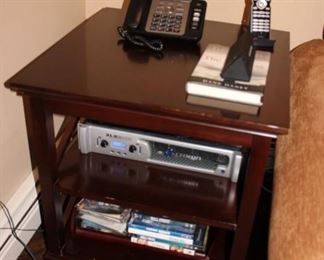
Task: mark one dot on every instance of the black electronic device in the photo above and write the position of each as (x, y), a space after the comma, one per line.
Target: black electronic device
(240, 58)
(178, 19)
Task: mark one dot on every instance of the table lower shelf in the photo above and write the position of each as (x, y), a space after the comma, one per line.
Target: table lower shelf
(89, 245)
(184, 195)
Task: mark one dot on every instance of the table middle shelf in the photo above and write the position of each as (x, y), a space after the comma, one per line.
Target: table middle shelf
(184, 195)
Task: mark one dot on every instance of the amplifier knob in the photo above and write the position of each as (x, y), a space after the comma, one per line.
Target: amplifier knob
(222, 159)
(104, 143)
(132, 148)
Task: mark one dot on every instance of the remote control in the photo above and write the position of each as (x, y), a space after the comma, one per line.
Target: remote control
(260, 19)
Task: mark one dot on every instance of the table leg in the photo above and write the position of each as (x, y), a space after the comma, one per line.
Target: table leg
(250, 195)
(40, 128)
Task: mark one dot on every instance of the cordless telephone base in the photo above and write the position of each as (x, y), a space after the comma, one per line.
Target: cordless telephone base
(240, 58)
(263, 44)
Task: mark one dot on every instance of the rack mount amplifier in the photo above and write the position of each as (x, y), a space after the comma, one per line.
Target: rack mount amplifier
(166, 150)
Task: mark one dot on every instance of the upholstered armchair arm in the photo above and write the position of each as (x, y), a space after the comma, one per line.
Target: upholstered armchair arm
(297, 217)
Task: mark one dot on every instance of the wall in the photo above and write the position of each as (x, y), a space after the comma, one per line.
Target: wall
(92, 6)
(303, 18)
(27, 28)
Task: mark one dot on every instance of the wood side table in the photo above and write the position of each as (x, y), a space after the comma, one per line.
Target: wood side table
(92, 74)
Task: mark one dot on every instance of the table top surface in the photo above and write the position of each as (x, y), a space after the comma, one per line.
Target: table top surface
(93, 65)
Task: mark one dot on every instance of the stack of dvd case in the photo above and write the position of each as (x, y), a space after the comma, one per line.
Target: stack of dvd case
(168, 234)
(102, 217)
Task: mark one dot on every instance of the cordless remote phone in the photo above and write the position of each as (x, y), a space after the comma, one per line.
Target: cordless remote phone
(260, 19)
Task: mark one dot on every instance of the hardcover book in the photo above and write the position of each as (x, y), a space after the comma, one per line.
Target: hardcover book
(206, 81)
(223, 105)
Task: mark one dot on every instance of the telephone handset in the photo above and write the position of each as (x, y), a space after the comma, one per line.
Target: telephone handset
(134, 13)
(178, 19)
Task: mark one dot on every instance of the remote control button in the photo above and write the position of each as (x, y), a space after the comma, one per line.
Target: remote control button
(261, 4)
(195, 19)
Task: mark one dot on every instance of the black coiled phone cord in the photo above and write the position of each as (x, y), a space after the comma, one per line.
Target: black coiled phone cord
(155, 45)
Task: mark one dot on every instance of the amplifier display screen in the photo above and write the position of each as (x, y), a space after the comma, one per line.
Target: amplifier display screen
(118, 145)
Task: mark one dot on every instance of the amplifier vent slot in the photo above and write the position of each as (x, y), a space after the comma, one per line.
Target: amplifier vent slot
(185, 156)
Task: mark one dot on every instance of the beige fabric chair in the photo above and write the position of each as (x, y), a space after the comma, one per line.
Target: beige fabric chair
(297, 218)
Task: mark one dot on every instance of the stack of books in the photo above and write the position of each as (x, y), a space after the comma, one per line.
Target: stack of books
(206, 86)
(165, 233)
(102, 217)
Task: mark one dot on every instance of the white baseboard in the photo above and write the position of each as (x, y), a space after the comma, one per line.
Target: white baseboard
(24, 211)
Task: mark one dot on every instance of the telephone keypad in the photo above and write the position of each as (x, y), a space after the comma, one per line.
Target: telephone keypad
(175, 18)
(168, 16)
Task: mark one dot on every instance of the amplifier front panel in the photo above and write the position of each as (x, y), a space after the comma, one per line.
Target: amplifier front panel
(171, 151)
